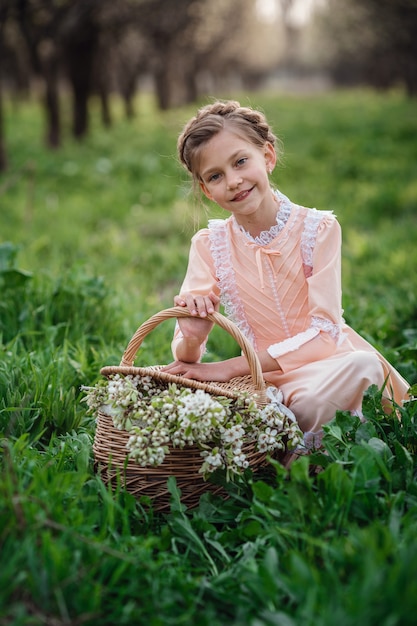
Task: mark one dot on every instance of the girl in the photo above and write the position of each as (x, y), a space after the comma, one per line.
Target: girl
(275, 266)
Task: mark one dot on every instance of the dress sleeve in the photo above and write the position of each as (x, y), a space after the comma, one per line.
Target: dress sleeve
(200, 277)
(323, 335)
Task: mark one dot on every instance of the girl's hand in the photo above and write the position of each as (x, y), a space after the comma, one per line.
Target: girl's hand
(216, 372)
(198, 305)
(196, 329)
(220, 371)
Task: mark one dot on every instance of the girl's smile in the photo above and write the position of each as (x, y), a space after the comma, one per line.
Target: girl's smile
(242, 195)
(234, 173)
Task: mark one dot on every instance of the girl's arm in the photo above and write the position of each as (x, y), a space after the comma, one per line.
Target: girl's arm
(220, 371)
(195, 330)
(200, 295)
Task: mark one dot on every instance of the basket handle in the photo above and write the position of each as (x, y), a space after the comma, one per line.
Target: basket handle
(219, 319)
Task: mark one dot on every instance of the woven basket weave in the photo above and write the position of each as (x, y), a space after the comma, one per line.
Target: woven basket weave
(110, 443)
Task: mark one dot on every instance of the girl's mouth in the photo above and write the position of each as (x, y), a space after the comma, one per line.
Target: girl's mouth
(242, 195)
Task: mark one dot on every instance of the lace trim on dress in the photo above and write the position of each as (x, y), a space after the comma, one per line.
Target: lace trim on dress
(266, 236)
(334, 330)
(229, 296)
(309, 236)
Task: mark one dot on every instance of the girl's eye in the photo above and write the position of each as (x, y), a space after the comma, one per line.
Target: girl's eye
(213, 178)
(241, 161)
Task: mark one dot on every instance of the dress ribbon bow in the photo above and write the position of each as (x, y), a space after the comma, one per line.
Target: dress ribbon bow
(258, 257)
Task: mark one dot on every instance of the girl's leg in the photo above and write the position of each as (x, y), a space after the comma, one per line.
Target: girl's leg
(320, 389)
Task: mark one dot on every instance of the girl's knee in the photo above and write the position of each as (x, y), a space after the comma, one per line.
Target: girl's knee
(343, 389)
(311, 411)
(368, 368)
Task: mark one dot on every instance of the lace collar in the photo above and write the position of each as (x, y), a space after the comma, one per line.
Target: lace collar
(266, 236)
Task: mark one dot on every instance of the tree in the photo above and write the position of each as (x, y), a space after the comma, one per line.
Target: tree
(189, 47)
(39, 21)
(192, 40)
(63, 38)
(80, 37)
(371, 41)
(131, 60)
(164, 24)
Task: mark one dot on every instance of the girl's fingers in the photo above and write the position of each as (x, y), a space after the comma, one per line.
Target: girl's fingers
(215, 300)
(186, 300)
(214, 297)
(198, 305)
(201, 303)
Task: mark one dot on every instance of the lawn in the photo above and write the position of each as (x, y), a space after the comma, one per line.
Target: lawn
(93, 240)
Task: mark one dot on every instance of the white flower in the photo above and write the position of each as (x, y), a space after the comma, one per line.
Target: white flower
(212, 461)
(240, 461)
(199, 404)
(233, 434)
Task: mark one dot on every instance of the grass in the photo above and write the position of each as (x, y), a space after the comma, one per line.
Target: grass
(98, 238)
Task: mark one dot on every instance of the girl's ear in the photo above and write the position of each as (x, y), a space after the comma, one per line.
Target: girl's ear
(205, 190)
(270, 156)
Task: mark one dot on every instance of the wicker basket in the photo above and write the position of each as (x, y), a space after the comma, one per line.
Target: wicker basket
(109, 446)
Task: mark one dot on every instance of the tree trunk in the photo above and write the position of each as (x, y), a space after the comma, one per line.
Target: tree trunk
(105, 107)
(80, 64)
(102, 78)
(128, 90)
(129, 108)
(162, 72)
(50, 73)
(80, 120)
(163, 90)
(191, 90)
(80, 49)
(53, 133)
(3, 158)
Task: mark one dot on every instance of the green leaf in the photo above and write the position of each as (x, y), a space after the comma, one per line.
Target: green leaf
(262, 491)
(175, 491)
(8, 253)
(299, 470)
(380, 454)
(365, 432)
(13, 278)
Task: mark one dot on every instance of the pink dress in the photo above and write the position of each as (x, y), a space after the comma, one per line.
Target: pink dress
(283, 290)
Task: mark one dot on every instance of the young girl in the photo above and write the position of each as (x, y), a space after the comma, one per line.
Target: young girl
(275, 266)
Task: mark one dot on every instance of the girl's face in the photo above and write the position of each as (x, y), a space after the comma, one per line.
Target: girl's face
(234, 173)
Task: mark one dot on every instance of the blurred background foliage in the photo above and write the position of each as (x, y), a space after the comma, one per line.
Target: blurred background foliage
(186, 49)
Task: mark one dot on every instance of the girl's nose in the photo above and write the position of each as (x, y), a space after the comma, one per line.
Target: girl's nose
(233, 180)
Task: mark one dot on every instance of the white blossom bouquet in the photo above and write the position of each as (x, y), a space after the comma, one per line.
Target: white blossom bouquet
(157, 416)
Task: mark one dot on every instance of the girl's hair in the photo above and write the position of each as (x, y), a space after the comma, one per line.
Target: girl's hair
(213, 118)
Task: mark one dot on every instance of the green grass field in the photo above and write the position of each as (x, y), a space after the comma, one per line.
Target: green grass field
(93, 240)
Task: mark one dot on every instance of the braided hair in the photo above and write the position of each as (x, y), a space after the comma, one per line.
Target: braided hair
(213, 118)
